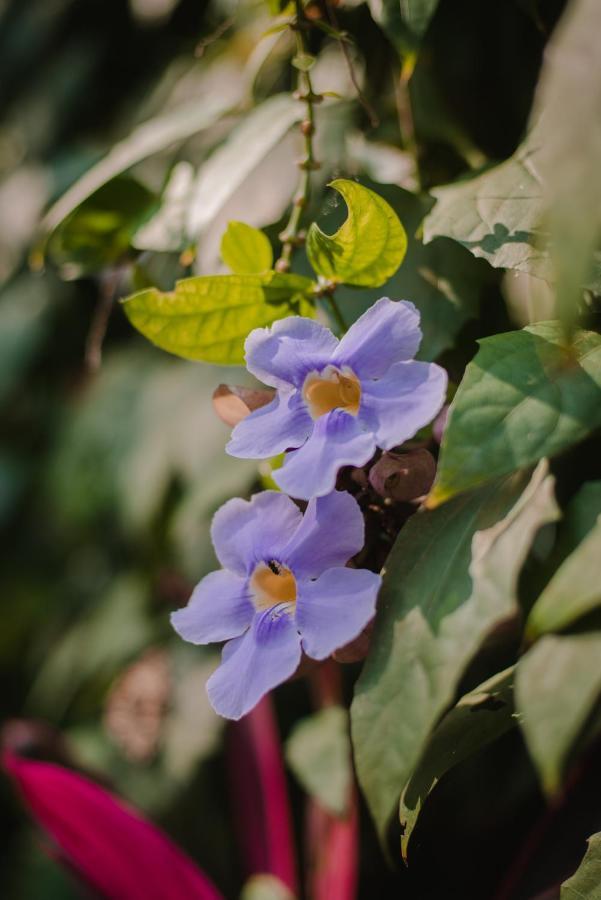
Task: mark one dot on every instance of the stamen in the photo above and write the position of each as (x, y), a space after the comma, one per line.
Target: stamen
(332, 389)
(272, 585)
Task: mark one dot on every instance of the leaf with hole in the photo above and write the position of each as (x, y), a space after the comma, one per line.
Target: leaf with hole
(367, 248)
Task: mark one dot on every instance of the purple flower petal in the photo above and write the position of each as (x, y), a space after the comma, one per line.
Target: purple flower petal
(285, 353)
(387, 333)
(282, 424)
(334, 609)
(337, 441)
(332, 530)
(220, 608)
(408, 397)
(253, 664)
(245, 533)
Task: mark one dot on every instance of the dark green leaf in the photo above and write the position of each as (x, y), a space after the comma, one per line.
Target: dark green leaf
(573, 591)
(558, 683)
(99, 232)
(477, 719)
(432, 618)
(523, 397)
(368, 248)
(585, 884)
(208, 318)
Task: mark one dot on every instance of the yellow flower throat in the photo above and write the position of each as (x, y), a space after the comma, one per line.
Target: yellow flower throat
(272, 585)
(332, 389)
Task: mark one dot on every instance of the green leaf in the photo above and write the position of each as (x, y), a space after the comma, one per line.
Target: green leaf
(475, 721)
(208, 318)
(232, 163)
(496, 215)
(165, 231)
(246, 250)
(573, 591)
(441, 278)
(404, 21)
(568, 125)
(432, 618)
(580, 517)
(146, 140)
(99, 232)
(368, 248)
(558, 683)
(524, 396)
(585, 884)
(318, 752)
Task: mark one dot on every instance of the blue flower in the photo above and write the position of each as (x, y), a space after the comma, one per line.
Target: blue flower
(283, 589)
(336, 401)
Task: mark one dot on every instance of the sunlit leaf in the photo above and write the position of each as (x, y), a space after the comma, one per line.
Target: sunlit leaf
(368, 248)
(246, 250)
(209, 317)
(585, 883)
(477, 719)
(147, 139)
(434, 611)
(523, 397)
(566, 114)
(558, 683)
(232, 163)
(318, 752)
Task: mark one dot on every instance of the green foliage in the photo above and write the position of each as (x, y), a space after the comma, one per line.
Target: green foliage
(573, 591)
(526, 395)
(318, 752)
(478, 718)
(209, 317)
(246, 250)
(404, 21)
(586, 883)
(367, 249)
(433, 617)
(558, 682)
(98, 233)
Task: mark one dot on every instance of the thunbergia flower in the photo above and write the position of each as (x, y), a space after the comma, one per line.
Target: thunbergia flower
(336, 401)
(283, 589)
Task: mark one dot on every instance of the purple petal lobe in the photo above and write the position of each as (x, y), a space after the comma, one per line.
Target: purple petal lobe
(403, 401)
(332, 530)
(337, 440)
(220, 608)
(387, 333)
(283, 354)
(253, 664)
(334, 609)
(282, 424)
(245, 533)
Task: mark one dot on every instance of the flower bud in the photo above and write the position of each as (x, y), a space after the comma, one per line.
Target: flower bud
(403, 476)
(232, 402)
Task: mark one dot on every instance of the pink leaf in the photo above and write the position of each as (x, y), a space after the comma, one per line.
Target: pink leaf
(112, 848)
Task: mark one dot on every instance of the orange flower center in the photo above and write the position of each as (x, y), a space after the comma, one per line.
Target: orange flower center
(332, 389)
(272, 585)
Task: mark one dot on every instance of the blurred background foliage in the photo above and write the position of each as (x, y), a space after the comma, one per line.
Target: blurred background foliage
(111, 461)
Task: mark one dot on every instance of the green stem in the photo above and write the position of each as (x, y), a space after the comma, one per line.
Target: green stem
(291, 233)
(337, 314)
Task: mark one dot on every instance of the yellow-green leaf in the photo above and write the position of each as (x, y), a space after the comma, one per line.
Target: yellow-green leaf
(368, 248)
(209, 317)
(246, 250)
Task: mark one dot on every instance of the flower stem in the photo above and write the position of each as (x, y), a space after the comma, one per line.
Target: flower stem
(291, 235)
(337, 314)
